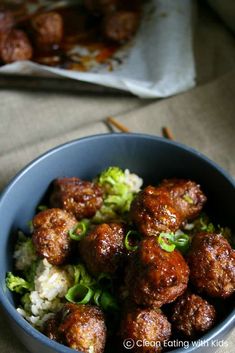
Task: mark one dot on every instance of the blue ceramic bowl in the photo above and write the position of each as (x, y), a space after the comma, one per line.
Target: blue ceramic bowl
(150, 157)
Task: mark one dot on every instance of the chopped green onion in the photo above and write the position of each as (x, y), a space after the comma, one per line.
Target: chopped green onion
(77, 274)
(188, 199)
(226, 232)
(81, 276)
(42, 208)
(170, 241)
(82, 227)
(30, 272)
(107, 302)
(207, 227)
(96, 297)
(210, 228)
(182, 242)
(30, 225)
(25, 299)
(166, 241)
(105, 280)
(127, 244)
(86, 289)
(79, 294)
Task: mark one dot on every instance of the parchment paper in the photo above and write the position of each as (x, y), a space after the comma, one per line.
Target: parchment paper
(158, 63)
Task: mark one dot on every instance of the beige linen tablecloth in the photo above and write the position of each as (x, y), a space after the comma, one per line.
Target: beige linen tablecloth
(31, 124)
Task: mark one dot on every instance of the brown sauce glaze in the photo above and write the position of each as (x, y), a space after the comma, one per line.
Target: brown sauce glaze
(84, 44)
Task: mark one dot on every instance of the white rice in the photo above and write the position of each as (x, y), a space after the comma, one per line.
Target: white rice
(52, 281)
(133, 181)
(51, 284)
(189, 226)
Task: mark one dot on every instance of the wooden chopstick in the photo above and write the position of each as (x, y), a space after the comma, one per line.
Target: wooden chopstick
(166, 132)
(112, 121)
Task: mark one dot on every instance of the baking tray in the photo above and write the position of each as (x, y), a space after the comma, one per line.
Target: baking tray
(55, 84)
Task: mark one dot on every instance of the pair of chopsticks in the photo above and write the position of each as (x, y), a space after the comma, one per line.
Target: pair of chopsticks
(166, 132)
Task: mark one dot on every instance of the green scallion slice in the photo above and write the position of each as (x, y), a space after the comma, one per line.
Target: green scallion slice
(182, 242)
(127, 244)
(96, 297)
(79, 294)
(82, 227)
(42, 208)
(166, 241)
(105, 280)
(107, 302)
(30, 225)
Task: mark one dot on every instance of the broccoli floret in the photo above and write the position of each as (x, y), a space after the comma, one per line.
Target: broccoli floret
(30, 272)
(118, 194)
(25, 300)
(17, 284)
(111, 176)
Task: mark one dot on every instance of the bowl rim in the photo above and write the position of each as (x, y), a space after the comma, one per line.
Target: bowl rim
(30, 330)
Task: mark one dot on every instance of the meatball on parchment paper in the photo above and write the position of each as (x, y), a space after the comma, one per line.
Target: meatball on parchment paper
(143, 65)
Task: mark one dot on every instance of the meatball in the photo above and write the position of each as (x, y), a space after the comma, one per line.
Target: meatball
(102, 249)
(186, 196)
(50, 235)
(101, 6)
(153, 212)
(120, 26)
(212, 265)
(154, 276)
(80, 327)
(47, 28)
(51, 328)
(166, 207)
(81, 198)
(15, 46)
(145, 326)
(192, 315)
(6, 20)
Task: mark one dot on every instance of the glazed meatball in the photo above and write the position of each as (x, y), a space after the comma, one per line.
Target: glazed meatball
(154, 213)
(51, 328)
(102, 249)
(145, 325)
(186, 196)
(15, 46)
(192, 315)
(120, 26)
(51, 235)
(47, 28)
(154, 276)
(101, 6)
(212, 265)
(166, 207)
(81, 198)
(6, 20)
(80, 327)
